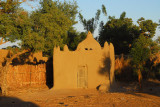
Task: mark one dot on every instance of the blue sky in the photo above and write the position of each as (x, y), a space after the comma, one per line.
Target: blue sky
(149, 9)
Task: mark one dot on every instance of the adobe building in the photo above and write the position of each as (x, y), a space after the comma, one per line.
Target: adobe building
(89, 66)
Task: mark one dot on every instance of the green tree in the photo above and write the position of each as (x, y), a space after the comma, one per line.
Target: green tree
(15, 24)
(121, 32)
(14, 21)
(147, 27)
(143, 49)
(91, 24)
(50, 25)
(8, 9)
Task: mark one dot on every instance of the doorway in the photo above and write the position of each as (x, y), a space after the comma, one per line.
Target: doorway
(82, 77)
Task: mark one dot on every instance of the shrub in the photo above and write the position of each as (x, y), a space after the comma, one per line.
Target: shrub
(123, 69)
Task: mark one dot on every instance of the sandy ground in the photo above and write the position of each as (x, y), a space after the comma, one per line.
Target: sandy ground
(124, 95)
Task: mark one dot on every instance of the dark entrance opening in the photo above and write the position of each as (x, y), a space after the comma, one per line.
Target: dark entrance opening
(49, 73)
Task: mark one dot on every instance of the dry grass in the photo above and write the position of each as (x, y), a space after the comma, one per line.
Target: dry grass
(156, 59)
(121, 63)
(123, 68)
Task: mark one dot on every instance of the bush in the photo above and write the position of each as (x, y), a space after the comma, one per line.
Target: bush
(124, 69)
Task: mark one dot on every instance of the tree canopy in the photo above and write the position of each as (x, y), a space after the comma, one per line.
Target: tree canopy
(50, 24)
(14, 21)
(147, 27)
(8, 19)
(122, 32)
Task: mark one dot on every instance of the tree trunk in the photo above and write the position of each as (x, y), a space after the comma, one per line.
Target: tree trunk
(140, 78)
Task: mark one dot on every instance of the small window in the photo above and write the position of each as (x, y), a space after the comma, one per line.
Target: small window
(86, 48)
(90, 49)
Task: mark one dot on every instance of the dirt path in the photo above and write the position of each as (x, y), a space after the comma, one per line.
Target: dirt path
(82, 98)
(79, 98)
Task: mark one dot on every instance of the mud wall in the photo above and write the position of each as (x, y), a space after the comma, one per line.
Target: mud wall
(22, 74)
(25, 75)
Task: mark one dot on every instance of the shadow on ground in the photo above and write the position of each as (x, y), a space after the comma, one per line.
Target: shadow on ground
(151, 87)
(15, 102)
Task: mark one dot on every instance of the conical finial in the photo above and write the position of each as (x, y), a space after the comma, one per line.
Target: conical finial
(89, 34)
